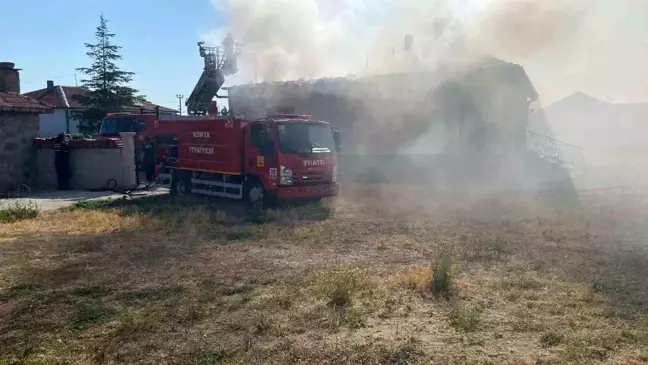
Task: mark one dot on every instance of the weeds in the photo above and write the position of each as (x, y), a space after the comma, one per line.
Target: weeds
(91, 291)
(212, 357)
(442, 280)
(19, 211)
(95, 204)
(240, 235)
(339, 285)
(133, 323)
(416, 279)
(552, 339)
(404, 355)
(465, 317)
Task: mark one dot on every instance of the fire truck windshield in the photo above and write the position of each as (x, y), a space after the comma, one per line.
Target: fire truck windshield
(296, 138)
(111, 127)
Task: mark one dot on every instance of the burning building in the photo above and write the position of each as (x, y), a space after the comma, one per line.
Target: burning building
(475, 110)
(457, 124)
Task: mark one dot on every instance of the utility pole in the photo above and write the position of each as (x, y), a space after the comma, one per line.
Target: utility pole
(180, 97)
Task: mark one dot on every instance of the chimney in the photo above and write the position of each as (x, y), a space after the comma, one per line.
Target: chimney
(9, 78)
(50, 85)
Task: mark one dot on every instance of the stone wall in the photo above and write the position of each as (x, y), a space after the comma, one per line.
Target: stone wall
(17, 131)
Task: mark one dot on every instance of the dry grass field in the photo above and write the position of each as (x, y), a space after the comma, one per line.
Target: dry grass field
(381, 275)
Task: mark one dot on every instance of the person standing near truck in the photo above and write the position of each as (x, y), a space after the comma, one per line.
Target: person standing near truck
(62, 161)
(149, 159)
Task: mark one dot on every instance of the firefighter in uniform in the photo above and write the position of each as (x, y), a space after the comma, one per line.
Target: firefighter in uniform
(62, 161)
(149, 159)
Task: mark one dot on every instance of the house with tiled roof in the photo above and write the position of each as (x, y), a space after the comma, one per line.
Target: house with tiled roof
(19, 123)
(64, 100)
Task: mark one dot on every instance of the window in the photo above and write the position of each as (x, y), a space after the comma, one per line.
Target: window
(299, 138)
(258, 136)
(111, 127)
(261, 139)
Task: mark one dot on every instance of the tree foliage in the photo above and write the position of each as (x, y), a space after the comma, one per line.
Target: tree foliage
(106, 84)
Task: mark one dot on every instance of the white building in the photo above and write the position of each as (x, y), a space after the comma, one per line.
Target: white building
(64, 100)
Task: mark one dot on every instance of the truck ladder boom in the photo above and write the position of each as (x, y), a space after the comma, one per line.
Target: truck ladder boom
(219, 61)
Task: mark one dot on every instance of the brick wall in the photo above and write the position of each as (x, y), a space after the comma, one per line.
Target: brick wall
(17, 131)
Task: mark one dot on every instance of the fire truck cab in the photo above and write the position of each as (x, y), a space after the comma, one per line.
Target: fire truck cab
(282, 156)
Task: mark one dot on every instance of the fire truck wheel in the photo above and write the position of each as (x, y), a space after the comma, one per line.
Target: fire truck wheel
(180, 184)
(183, 187)
(254, 193)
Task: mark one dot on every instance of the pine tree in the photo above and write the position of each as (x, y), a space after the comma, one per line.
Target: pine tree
(107, 85)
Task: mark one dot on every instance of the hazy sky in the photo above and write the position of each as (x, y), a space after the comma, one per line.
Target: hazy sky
(599, 47)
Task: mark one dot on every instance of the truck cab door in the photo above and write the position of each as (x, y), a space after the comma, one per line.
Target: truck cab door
(260, 155)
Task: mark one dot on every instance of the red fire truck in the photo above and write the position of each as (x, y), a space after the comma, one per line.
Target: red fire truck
(277, 157)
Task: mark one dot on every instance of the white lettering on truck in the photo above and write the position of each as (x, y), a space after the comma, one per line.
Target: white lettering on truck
(201, 150)
(201, 134)
(314, 162)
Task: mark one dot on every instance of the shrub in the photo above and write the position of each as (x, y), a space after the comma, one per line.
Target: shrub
(442, 280)
(416, 279)
(339, 285)
(464, 317)
(551, 339)
(19, 211)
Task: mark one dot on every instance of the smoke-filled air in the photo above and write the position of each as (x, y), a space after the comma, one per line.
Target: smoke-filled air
(567, 48)
(565, 45)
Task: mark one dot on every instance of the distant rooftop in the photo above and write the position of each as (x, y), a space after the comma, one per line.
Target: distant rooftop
(12, 102)
(65, 97)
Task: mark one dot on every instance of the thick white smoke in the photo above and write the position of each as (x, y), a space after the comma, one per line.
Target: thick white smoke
(566, 45)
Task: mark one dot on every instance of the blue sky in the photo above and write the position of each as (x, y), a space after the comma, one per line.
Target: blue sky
(46, 40)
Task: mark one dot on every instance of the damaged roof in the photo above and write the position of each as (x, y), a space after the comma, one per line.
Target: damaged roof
(13, 102)
(489, 69)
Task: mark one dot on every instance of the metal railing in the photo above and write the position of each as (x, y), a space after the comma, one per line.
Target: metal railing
(554, 150)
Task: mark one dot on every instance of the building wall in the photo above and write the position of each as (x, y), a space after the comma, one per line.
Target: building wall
(55, 123)
(17, 131)
(91, 168)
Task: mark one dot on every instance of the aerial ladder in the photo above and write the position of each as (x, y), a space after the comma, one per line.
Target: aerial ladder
(219, 62)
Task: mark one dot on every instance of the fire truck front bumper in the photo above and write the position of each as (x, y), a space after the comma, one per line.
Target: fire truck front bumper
(306, 192)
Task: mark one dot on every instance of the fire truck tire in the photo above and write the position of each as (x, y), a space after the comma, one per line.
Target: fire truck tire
(254, 193)
(180, 183)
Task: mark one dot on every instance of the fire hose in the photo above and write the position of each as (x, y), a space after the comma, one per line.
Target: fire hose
(113, 185)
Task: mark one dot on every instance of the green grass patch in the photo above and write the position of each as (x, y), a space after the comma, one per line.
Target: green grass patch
(552, 339)
(238, 289)
(240, 235)
(20, 290)
(91, 314)
(94, 204)
(158, 293)
(211, 357)
(96, 291)
(20, 210)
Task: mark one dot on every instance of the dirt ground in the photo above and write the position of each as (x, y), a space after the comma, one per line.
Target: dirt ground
(381, 275)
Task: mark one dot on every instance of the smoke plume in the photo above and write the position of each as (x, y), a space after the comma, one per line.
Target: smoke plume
(565, 45)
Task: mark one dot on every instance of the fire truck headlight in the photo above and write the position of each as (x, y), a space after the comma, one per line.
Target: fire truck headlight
(286, 176)
(334, 178)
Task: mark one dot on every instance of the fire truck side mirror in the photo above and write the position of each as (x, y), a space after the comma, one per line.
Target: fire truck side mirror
(337, 139)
